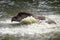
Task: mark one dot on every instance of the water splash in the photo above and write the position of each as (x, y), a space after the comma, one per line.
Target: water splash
(37, 28)
(8, 21)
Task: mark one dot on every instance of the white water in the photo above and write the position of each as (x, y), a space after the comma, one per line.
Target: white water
(37, 28)
(8, 21)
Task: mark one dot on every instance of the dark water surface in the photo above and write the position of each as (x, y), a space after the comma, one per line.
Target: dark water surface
(37, 31)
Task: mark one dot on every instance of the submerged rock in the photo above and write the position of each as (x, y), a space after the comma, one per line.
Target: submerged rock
(51, 21)
(40, 17)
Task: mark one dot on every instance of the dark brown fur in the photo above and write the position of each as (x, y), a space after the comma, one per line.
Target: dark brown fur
(22, 15)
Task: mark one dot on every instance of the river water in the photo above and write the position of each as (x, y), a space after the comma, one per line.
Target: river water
(38, 31)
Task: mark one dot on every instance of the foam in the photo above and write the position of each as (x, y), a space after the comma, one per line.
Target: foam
(37, 28)
(8, 21)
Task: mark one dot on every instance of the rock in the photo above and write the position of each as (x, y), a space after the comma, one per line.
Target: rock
(40, 17)
(51, 21)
